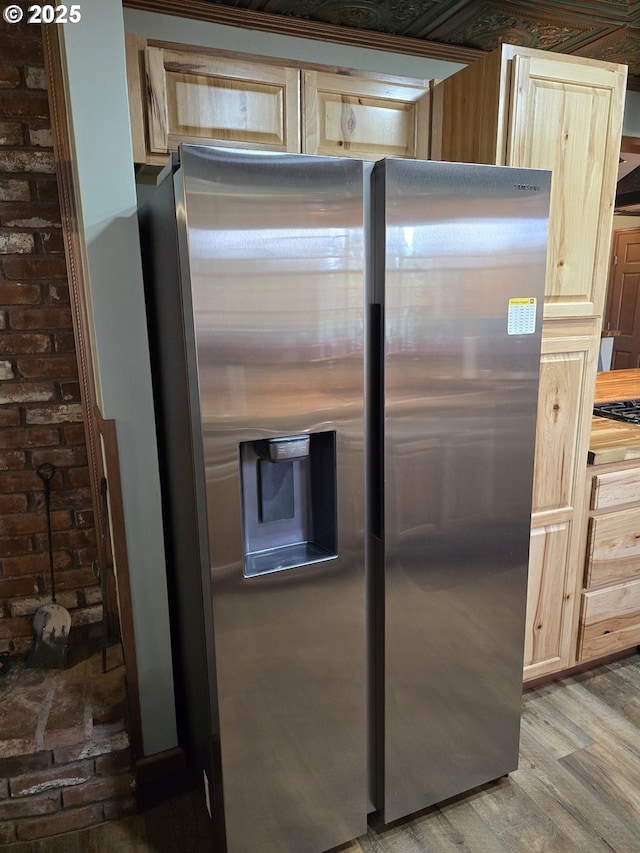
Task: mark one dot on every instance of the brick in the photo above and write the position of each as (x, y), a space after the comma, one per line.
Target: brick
(64, 821)
(64, 342)
(86, 616)
(3, 319)
(76, 498)
(12, 460)
(47, 190)
(115, 762)
(14, 627)
(11, 133)
(13, 546)
(61, 457)
(110, 742)
(30, 806)
(18, 481)
(7, 833)
(82, 518)
(75, 579)
(117, 809)
(52, 778)
(9, 588)
(30, 268)
(31, 564)
(41, 137)
(27, 392)
(32, 522)
(9, 77)
(100, 789)
(40, 318)
(18, 343)
(16, 242)
(58, 293)
(9, 417)
(72, 539)
(6, 371)
(28, 606)
(57, 366)
(23, 105)
(18, 293)
(70, 391)
(14, 190)
(19, 46)
(12, 503)
(32, 215)
(74, 434)
(19, 764)
(78, 477)
(53, 242)
(58, 414)
(27, 161)
(36, 436)
(86, 556)
(35, 78)
(4, 789)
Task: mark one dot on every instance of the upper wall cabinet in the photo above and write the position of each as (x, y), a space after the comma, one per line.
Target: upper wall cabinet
(365, 117)
(181, 94)
(200, 98)
(520, 107)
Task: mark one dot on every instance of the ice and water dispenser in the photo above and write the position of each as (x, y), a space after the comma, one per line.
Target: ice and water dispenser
(288, 501)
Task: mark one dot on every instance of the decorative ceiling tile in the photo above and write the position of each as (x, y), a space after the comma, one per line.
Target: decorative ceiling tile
(621, 46)
(486, 25)
(390, 16)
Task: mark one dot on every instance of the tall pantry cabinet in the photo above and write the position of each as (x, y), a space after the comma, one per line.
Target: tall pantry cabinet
(523, 107)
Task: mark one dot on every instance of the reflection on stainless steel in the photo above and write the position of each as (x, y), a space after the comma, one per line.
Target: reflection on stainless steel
(273, 303)
(459, 404)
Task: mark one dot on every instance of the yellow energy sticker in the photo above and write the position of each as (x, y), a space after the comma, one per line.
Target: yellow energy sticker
(521, 316)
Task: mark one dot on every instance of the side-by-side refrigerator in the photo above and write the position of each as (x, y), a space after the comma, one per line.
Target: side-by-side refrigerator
(345, 373)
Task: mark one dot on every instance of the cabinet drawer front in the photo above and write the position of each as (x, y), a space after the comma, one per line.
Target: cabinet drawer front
(610, 620)
(615, 489)
(614, 547)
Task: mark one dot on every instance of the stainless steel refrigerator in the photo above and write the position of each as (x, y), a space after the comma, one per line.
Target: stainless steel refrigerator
(346, 363)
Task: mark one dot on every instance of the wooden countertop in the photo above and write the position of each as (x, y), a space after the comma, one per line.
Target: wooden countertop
(614, 441)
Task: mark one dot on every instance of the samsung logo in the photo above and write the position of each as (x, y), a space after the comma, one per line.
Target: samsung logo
(532, 188)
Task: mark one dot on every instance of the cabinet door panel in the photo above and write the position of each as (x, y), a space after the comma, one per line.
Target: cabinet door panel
(543, 648)
(351, 116)
(202, 98)
(582, 104)
(567, 371)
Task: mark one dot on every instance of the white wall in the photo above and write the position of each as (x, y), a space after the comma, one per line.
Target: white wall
(182, 30)
(96, 80)
(631, 122)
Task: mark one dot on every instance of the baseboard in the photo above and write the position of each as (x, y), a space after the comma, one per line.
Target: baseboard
(161, 776)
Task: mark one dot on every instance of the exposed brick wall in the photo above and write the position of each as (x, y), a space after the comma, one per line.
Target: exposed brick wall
(40, 412)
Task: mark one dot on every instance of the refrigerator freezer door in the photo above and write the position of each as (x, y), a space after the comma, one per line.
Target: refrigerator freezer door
(276, 261)
(461, 253)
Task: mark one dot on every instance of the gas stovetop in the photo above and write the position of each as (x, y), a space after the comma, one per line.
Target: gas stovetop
(619, 410)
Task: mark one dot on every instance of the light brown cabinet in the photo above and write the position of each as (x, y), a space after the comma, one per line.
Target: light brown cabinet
(355, 116)
(610, 611)
(529, 108)
(185, 94)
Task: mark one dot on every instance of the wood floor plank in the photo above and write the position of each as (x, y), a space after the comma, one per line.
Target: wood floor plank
(470, 827)
(617, 783)
(560, 735)
(605, 725)
(577, 808)
(519, 824)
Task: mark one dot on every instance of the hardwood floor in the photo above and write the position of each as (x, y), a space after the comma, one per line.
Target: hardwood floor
(577, 789)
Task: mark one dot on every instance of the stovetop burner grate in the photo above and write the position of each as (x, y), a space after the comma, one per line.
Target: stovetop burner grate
(627, 411)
